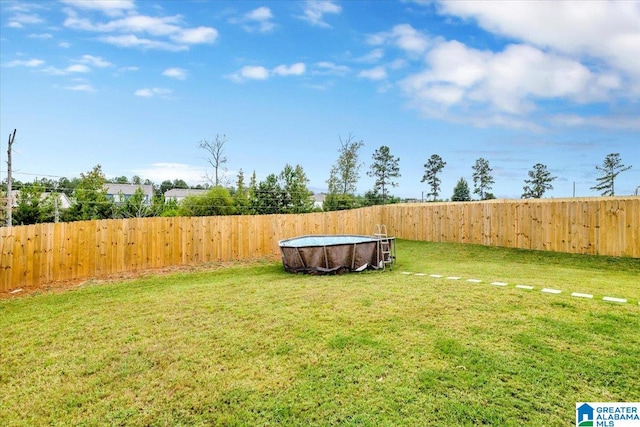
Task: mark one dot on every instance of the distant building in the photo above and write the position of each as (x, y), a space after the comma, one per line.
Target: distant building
(178, 194)
(63, 200)
(318, 200)
(119, 193)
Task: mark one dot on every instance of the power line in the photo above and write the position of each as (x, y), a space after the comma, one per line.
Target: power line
(38, 174)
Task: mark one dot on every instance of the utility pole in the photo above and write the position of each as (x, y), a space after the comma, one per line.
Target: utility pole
(12, 138)
(56, 197)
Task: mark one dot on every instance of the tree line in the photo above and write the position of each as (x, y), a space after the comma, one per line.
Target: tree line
(283, 192)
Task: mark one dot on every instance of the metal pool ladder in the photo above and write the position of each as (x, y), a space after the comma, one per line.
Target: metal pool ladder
(386, 246)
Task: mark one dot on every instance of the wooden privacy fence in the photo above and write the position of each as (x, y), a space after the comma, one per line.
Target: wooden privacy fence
(596, 226)
(34, 255)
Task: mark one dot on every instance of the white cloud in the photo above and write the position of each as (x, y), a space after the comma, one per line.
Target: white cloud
(296, 69)
(176, 73)
(253, 72)
(26, 7)
(373, 56)
(81, 88)
(258, 72)
(108, 7)
(95, 61)
(77, 68)
(19, 20)
(164, 33)
(326, 67)
(499, 85)
(71, 69)
(64, 45)
(131, 40)
(53, 71)
(315, 10)
(608, 30)
(42, 36)
(606, 122)
(259, 19)
(25, 63)
(130, 24)
(131, 68)
(376, 73)
(81, 65)
(196, 35)
(398, 64)
(402, 36)
(150, 92)
(260, 14)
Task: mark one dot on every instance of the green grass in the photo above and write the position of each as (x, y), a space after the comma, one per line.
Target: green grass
(252, 345)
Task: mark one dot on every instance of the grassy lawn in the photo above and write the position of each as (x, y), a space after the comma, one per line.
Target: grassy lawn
(251, 345)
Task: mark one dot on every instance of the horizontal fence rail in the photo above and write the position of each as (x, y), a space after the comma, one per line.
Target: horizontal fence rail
(35, 255)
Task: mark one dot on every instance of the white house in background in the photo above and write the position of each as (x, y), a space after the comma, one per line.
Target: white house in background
(63, 200)
(122, 192)
(178, 194)
(318, 200)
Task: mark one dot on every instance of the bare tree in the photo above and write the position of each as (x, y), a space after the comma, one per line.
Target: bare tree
(344, 175)
(216, 158)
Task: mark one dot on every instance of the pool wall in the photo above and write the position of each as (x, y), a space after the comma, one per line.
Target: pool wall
(333, 254)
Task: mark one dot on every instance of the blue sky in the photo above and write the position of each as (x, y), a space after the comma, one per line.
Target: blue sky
(136, 85)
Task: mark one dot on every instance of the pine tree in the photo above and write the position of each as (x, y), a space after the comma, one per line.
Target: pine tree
(241, 195)
(384, 168)
(432, 168)
(270, 198)
(30, 208)
(610, 169)
(539, 183)
(482, 178)
(294, 183)
(461, 191)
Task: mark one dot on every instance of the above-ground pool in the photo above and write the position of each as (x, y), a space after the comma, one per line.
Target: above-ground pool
(336, 253)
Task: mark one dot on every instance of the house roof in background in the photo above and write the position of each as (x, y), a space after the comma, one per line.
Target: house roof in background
(128, 188)
(184, 192)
